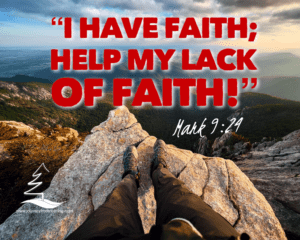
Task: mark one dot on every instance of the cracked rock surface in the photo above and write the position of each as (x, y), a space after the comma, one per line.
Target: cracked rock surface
(91, 173)
(275, 172)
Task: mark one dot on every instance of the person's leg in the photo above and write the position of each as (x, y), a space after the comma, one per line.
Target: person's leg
(118, 217)
(175, 200)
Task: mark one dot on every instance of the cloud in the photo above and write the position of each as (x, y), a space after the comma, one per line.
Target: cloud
(268, 14)
(170, 5)
(293, 14)
(187, 8)
(25, 6)
(65, 8)
(254, 3)
(148, 5)
(74, 8)
(71, 8)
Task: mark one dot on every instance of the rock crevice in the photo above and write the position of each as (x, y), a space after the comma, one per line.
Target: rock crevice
(206, 179)
(232, 200)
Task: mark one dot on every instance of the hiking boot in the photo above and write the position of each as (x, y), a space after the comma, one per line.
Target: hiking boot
(160, 155)
(130, 162)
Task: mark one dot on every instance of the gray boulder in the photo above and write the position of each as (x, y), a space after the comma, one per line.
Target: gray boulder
(91, 173)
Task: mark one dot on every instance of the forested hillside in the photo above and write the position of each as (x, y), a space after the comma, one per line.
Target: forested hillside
(264, 115)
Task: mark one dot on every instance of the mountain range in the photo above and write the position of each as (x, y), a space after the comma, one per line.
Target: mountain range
(263, 115)
(278, 73)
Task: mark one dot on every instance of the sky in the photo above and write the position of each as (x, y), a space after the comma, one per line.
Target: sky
(28, 23)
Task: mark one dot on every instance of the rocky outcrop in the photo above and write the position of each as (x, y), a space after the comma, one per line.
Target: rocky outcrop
(202, 146)
(230, 145)
(12, 129)
(264, 143)
(22, 150)
(15, 91)
(20, 128)
(63, 134)
(274, 168)
(91, 173)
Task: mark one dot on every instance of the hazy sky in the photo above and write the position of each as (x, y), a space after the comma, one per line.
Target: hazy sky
(28, 23)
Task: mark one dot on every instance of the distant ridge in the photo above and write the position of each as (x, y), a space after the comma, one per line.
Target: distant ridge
(286, 87)
(24, 78)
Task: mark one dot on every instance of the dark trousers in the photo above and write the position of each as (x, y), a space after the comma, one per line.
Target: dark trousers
(118, 217)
